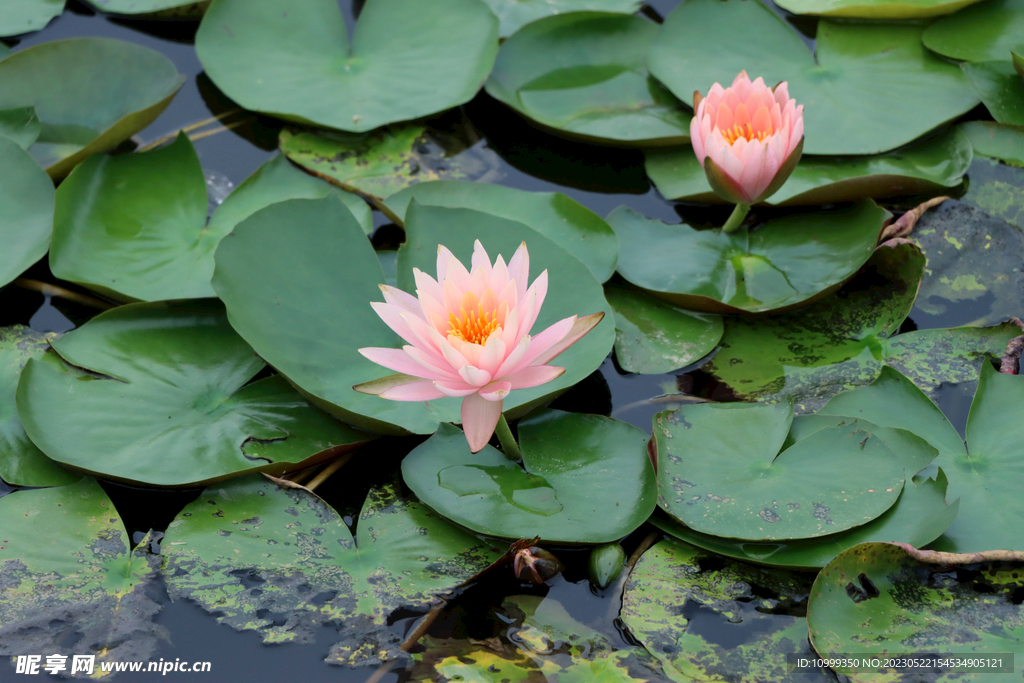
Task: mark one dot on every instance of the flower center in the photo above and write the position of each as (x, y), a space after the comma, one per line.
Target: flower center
(473, 327)
(733, 134)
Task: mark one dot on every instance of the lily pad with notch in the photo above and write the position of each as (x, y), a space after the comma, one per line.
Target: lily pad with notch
(564, 221)
(406, 59)
(21, 125)
(710, 619)
(25, 16)
(584, 479)
(316, 346)
(134, 226)
(583, 75)
(884, 600)
(379, 164)
(996, 141)
(1000, 88)
(161, 394)
(984, 32)
(26, 222)
(69, 581)
(929, 166)
(847, 86)
(653, 336)
(282, 562)
(514, 14)
(90, 95)
(785, 263)
(21, 462)
(721, 472)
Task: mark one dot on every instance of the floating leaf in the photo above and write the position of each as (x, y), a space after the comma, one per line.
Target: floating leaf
(584, 75)
(996, 189)
(277, 181)
(23, 16)
(849, 111)
(994, 140)
(786, 262)
(562, 220)
(407, 59)
(721, 472)
(21, 125)
(316, 345)
(709, 619)
(381, 163)
(584, 479)
(176, 9)
(21, 463)
(1000, 88)
(26, 221)
(844, 340)
(173, 404)
(875, 9)
(250, 551)
(972, 257)
(514, 14)
(879, 600)
(922, 167)
(90, 94)
(69, 583)
(984, 32)
(653, 336)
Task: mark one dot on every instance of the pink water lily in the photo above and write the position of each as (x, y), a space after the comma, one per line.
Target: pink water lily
(468, 335)
(752, 136)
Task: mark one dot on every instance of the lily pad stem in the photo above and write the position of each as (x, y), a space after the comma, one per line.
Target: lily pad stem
(736, 219)
(508, 442)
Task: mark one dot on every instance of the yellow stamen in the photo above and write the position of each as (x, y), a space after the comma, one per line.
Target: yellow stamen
(736, 132)
(473, 327)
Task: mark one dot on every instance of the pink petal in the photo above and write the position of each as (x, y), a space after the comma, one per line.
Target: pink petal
(541, 343)
(424, 390)
(492, 355)
(534, 375)
(519, 270)
(392, 317)
(474, 376)
(512, 361)
(453, 356)
(579, 328)
(426, 285)
(496, 391)
(397, 360)
(433, 362)
(538, 291)
(479, 418)
(695, 138)
(481, 259)
(404, 300)
(455, 389)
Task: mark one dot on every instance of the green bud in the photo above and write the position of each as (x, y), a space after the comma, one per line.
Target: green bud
(606, 563)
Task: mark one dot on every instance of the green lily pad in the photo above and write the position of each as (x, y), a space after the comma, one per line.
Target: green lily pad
(972, 257)
(171, 405)
(721, 473)
(23, 16)
(1018, 62)
(878, 600)
(277, 181)
(309, 323)
(176, 9)
(1000, 88)
(407, 59)
(653, 337)
(514, 14)
(21, 125)
(786, 263)
(69, 583)
(134, 226)
(923, 167)
(562, 220)
(709, 619)
(249, 551)
(583, 75)
(584, 479)
(379, 164)
(984, 32)
(875, 9)
(847, 87)
(21, 462)
(995, 140)
(988, 477)
(26, 221)
(90, 94)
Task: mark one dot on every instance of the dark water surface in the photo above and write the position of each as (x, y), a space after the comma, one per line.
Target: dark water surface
(599, 178)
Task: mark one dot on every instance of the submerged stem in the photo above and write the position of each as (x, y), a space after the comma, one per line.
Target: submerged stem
(736, 218)
(508, 442)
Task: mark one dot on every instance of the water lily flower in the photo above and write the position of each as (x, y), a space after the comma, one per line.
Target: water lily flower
(748, 137)
(468, 335)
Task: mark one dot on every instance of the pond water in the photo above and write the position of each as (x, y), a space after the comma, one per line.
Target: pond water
(601, 179)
